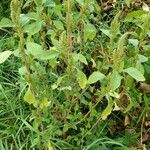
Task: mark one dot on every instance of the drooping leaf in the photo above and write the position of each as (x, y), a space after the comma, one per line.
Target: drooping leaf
(107, 110)
(4, 56)
(82, 79)
(134, 73)
(95, 76)
(29, 97)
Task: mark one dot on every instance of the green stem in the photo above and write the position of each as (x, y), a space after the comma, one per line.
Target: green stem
(15, 15)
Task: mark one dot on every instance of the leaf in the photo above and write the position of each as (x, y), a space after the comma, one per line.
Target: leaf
(80, 57)
(4, 56)
(82, 80)
(29, 97)
(44, 103)
(142, 58)
(134, 73)
(33, 28)
(107, 110)
(134, 15)
(24, 19)
(106, 32)
(115, 80)
(58, 24)
(37, 51)
(89, 32)
(145, 87)
(81, 2)
(134, 42)
(5, 22)
(95, 76)
(128, 2)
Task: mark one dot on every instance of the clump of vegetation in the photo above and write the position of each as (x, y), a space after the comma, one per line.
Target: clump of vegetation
(77, 77)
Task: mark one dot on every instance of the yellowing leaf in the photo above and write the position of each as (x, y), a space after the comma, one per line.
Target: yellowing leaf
(107, 110)
(82, 80)
(4, 56)
(44, 103)
(29, 97)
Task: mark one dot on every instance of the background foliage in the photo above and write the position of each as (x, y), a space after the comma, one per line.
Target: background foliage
(74, 74)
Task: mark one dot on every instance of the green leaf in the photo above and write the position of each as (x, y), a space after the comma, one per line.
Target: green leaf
(106, 32)
(107, 110)
(5, 22)
(33, 28)
(134, 73)
(58, 24)
(37, 51)
(80, 57)
(142, 58)
(95, 76)
(115, 80)
(82, 80)
(134, 15)
(4, 56)
(29, 97)
(134, 42)
(89, 32)
(24, 19)
(81, 2)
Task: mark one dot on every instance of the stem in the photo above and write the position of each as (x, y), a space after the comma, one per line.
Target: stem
(15, 15)
(68, 34)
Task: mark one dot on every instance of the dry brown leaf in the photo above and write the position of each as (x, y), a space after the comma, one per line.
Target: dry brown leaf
(145, 87)
(126, 120)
